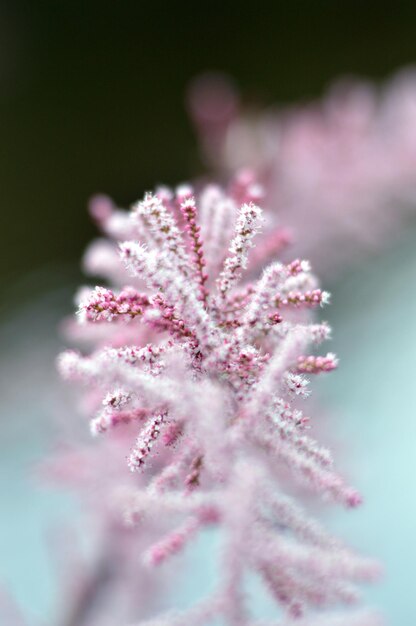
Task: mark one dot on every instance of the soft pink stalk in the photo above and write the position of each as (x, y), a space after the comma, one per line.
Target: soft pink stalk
(207, 373)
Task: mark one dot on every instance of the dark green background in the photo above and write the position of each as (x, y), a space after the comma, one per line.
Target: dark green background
(92, 99)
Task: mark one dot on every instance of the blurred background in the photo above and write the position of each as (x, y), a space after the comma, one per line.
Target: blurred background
(92, 99)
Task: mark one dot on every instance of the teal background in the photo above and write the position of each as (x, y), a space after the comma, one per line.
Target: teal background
(371, 405)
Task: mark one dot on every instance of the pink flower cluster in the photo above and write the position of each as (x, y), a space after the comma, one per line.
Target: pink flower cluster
(339, 172)
(205, 373)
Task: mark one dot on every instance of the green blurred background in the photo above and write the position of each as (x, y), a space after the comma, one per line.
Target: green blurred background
(92, 99)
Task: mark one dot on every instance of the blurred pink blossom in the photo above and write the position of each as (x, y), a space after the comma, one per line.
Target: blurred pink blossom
(338, 173)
